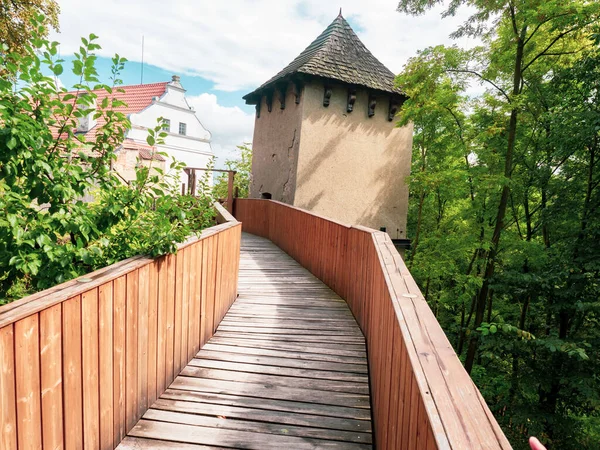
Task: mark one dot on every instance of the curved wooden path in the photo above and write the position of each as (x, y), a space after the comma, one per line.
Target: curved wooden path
(286, 369)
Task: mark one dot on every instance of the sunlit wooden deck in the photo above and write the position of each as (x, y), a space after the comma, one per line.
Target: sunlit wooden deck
(286, 369)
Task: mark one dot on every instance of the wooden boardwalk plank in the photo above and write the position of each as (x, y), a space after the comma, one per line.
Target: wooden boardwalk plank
(286, 368)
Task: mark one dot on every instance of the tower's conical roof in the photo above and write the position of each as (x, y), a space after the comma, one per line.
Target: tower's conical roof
(337, 54)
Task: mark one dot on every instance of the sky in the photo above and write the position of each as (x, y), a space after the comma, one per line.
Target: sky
(224, 49)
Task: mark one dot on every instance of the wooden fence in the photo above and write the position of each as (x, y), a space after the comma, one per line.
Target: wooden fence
(81, 362)
(421, 395)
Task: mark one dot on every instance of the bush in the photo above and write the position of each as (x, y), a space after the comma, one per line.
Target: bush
(48, 234)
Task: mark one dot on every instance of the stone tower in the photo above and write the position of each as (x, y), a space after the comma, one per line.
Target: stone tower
(325, 136)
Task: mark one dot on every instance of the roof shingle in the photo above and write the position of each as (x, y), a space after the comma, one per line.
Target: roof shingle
(337, 54)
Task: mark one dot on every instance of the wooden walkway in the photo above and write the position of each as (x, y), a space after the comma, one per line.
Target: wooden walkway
(286, 369)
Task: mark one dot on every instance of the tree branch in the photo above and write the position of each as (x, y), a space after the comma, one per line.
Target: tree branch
(483, 79)
(549, 46)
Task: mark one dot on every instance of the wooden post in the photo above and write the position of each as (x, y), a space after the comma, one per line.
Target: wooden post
(231, 175)
(193, 183)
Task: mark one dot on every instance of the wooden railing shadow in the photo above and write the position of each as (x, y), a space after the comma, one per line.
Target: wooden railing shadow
(83, 361)
(421, 395)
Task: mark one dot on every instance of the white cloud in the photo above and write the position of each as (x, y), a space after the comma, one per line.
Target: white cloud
(229, 126)
(238, 44)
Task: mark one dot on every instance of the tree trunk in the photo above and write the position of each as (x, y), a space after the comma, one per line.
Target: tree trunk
(501, 213)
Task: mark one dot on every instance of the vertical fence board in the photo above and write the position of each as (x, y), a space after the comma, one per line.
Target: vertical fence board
(194, 309)
(8, 402)
(131, 349)
(27, 370)
(169, 361)
(220, 241)
(72, 376)
(105, 330)
(210, 298)
(51, 375)
(119, 343)
(185, 303)
(91, 408)
(161, 354)
(152, 331)
(204, 294)
(142, 383)
(179, 324)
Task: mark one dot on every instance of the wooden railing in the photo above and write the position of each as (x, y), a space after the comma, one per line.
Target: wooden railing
(421, 395)
(81, 362)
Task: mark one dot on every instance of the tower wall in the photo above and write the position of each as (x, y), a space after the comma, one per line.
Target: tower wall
(352, 167)
(275, 148)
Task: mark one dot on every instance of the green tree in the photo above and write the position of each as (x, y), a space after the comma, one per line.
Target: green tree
(243, 168)
(521, 310)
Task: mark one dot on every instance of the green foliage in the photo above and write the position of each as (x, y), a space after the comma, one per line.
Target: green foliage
(519, 162)
(48, 234)
(16, 24)
(243, 169)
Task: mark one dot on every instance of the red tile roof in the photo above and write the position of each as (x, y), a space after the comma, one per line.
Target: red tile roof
(136, 97)
(144, 151)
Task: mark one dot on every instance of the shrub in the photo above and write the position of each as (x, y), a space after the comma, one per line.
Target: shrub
(48, 234)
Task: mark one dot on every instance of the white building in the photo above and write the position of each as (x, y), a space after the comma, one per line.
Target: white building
(187, 140)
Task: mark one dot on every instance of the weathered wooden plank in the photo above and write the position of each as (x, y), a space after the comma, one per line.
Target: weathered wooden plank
(293, 337)
(90, 341)
(348, 327)
(275, 380)
(131, 350)
(106, 370)
(278, 370)
(283, 362)
(8, 402)
(272, 392)
(51, 376)
(176, 412)
(265, 330)
(231, 438)
(135, 443)
(152, 332)
(319, 348)
(27, 373)
(184, 260)
(284, 354)
(282, 411)
(119, 341)
(72, 375)
(194, 307)
(161, 380)
(170, 318)
(142, 343)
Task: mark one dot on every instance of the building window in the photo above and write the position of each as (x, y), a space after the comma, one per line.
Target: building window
(166, 125)
(182, 128)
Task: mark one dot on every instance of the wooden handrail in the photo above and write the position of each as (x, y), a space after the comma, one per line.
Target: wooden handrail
(81, 363)
(421, 395)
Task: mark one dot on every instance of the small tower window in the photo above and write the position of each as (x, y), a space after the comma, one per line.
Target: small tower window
(166, 125)
(182, 128)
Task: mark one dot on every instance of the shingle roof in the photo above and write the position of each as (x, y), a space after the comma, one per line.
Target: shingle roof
(337, 54)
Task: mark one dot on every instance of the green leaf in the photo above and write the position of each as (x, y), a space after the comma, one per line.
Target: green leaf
(12, 143)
